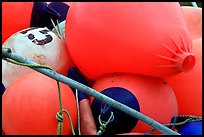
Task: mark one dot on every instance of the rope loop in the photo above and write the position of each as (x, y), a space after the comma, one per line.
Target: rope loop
(183, 119)
(103, 124)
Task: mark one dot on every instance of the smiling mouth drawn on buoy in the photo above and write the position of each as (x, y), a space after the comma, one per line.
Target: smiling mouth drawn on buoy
(48, 38)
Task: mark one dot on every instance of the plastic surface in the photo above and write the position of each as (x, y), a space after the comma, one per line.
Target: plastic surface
(30, 104)
(15, 17)
(156, 98)
(39, 45)
(194, 128)
(188, 86)
(193, 17)
(129, 37)
(2, 88)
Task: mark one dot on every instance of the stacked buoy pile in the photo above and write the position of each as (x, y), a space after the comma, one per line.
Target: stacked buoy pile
(146, 55)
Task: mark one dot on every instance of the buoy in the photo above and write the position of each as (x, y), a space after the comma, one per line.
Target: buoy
(151, 96)
(2, 88)
(193, 17)
(129, 37)
(188, 86)
(30, 105)
(39, 45)
(192, 128)
(32, 14)
(16, 20)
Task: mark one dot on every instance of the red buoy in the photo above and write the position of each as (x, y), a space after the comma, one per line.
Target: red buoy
(15, 17)
(193, 18)
(155, 97)
(30, 105)
(129, 37)
(188, 86)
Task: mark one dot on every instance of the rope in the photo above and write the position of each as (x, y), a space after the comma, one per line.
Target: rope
(59, 29)
(59, 115)
(27, 65)
(78, 110)
(104, 124)
(54, 26)
(186, 118)
(7, 53)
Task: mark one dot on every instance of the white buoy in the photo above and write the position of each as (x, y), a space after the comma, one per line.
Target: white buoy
(40, 45)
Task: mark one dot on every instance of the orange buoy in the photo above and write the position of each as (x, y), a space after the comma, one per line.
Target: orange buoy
(30, 104)
(193, 17)
(32, 14)
(15, 17)
(149, 95)
(39, 45)
(188, 87)
(129, 37)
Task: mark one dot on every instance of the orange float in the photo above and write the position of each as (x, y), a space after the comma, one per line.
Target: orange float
(154, 97)
(20, 15)
(193, 17)
(39, 45)
(129, 37)
(30, 104)
(188, 87)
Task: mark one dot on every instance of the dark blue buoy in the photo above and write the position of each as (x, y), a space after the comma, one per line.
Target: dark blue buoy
(3, 88)
(193, 128)
(122, 123)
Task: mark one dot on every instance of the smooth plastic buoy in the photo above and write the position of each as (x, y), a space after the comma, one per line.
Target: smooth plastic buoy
(2, 88)
(193, 128)
(193, 17)
(129, 37)
(20, 15)
(188, 86)
(39, 45)
(151, 96)
(30, 105)
(15, 17)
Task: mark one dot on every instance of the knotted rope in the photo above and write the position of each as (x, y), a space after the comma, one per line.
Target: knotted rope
(59, 115)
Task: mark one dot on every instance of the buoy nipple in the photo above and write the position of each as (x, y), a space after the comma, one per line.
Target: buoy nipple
(186, 62)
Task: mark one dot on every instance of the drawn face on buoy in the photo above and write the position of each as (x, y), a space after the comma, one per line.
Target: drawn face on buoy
(21, 15)
(39, 45)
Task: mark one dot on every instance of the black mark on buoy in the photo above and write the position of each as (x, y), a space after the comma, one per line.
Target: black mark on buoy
(48, 38)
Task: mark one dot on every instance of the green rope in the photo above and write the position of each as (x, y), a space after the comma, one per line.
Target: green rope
(59, 115)
(186, 118)
(103, 124)
(27, 65)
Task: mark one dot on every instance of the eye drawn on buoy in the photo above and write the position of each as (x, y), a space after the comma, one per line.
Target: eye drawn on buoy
(31, 36)
(26, 30)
